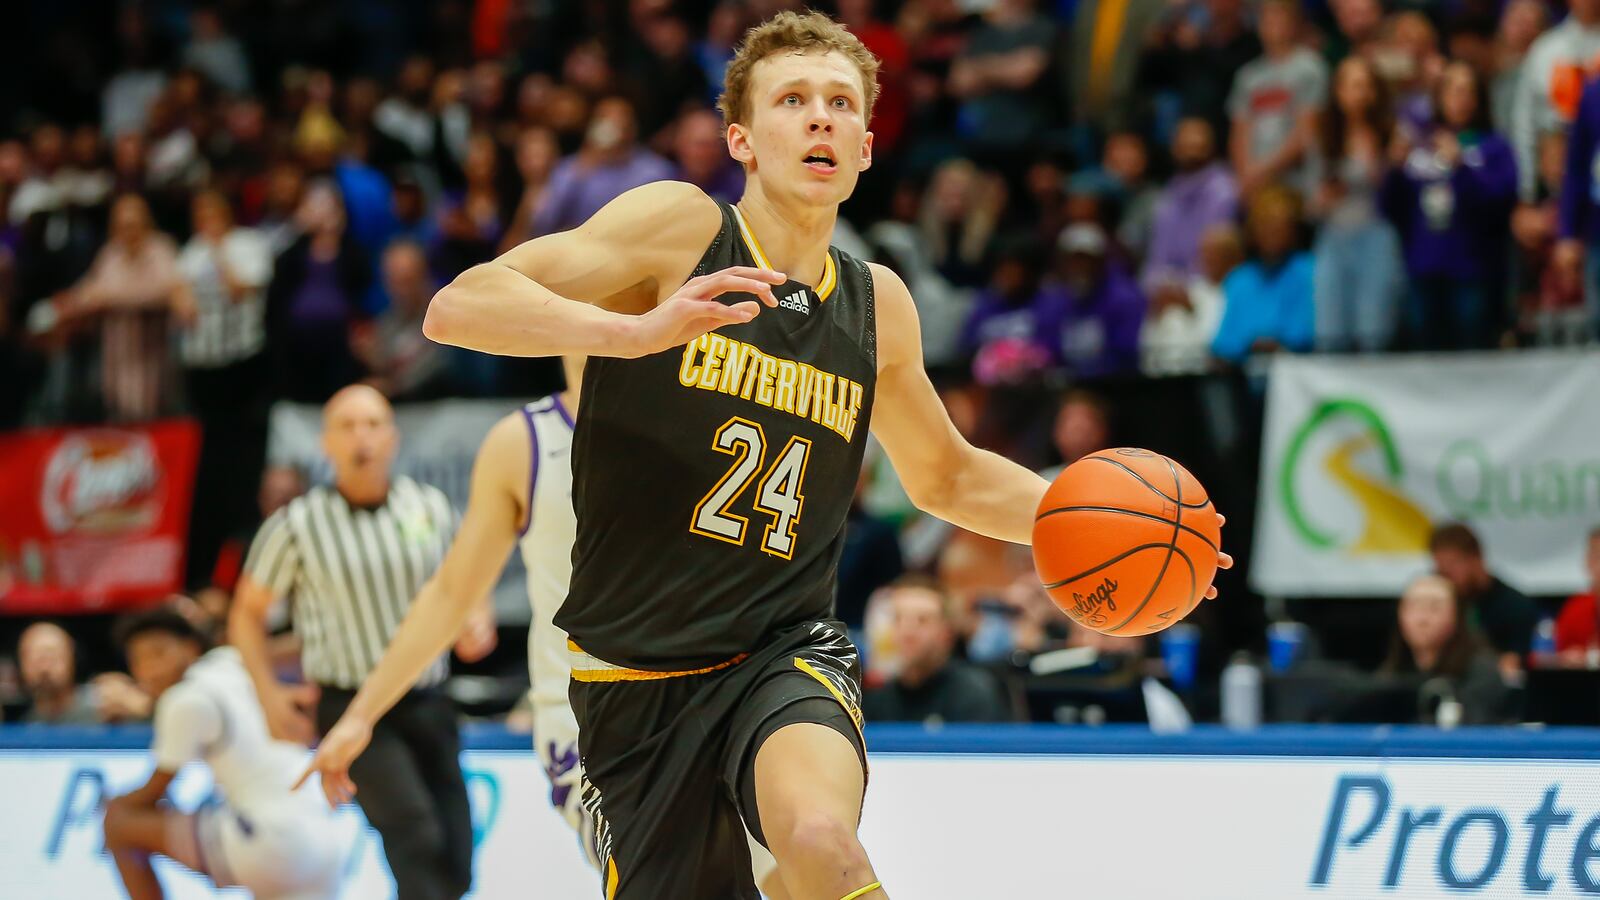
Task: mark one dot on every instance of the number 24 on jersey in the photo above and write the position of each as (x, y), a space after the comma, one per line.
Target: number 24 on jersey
(777, 494)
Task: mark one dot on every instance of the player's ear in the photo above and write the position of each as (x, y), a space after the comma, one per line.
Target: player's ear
(866, 153)
(739, 144)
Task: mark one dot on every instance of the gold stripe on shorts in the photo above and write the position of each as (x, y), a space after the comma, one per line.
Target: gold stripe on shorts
(590, 669)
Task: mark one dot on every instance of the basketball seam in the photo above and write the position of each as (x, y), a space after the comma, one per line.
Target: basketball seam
(1110, 562)
(1177, 525)
(1124, 467)
(1131, 512)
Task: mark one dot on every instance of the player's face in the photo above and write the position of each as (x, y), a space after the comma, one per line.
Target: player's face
(156, 660)
(358, 434)
(807, 130)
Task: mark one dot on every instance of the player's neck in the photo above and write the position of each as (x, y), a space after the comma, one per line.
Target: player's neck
(794, 238)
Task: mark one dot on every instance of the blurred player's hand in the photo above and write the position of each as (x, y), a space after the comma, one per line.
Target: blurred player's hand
(1224, 561)
(343, 743)
(695, 310)
(286, 716)
(478, 637)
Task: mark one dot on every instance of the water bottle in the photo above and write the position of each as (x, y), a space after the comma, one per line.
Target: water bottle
(1241, 693)
(1544, 639)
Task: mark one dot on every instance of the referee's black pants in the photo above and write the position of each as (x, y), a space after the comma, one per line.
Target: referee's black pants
(409, 784)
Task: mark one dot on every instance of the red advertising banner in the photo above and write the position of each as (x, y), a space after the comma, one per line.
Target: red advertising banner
(94, 519)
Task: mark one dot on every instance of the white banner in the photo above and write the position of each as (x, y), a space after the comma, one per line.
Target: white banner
(1362, 455)
(954, 827)
(438, 442)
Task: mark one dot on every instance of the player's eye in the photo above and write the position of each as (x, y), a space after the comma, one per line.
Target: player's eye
(792, 99)
(841, 103)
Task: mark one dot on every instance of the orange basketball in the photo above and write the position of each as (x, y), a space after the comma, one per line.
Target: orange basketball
(1125, 541)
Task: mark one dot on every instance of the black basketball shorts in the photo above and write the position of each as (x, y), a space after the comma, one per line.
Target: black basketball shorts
(669, 758)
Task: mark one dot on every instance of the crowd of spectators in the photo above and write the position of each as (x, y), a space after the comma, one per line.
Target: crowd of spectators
(207, 207)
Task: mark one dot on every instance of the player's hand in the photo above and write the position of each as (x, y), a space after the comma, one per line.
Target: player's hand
(343, 743)
(1224, 561)
(286, 716)
(695, 310)
(478, 637)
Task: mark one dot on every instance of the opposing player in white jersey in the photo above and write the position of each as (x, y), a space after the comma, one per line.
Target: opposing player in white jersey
(521, 495)
(277, 842)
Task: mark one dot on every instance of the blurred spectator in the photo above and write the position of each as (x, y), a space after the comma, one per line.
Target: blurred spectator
(1358, 267)
(1271, 97)
(664, 68)
(1578, 627)
(129, 93)
(998, 79)
(314, 299)
(1409, 60)
(890, 112)
(870, 558)
(609, 163)
(1451, 198)
(1196, 53)
(942, 308)
(405, 116)
(130, 295)
(1553, 75)
(404, 364)
(215, 53)
(1125, 162)
(1009, 336)
(1268, 297)
(1358, 27)
(1435, 639)
(1504, 615)
(226, 375)
(724, 29)
(1179, 326)
(1201, 194)
(1096, 314)
(929, 686)
(471, 220)
(960, 212)
(45, 656)
(1577, 253)
(1082, 426)
(1521, 22)
(700, 145)
(1549, 288)
(536, 156)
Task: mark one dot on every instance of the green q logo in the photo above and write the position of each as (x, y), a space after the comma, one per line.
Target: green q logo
(1392, 524)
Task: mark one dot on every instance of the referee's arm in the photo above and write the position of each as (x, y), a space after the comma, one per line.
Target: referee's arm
(270, 570)
(459, 588)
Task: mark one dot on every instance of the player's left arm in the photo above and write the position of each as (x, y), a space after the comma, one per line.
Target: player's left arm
(944, 475)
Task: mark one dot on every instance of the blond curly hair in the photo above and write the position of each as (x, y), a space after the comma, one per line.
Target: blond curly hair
(807, 32)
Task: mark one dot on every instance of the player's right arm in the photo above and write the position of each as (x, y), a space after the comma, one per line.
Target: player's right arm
(470, 568)
(610, 287)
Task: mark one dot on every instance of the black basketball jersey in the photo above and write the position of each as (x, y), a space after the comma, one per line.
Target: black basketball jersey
(712, 481)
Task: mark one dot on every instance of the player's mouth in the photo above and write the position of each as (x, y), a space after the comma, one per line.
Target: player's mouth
(820, 159)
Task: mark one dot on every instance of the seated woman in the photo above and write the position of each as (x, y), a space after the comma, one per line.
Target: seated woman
(1434, 641)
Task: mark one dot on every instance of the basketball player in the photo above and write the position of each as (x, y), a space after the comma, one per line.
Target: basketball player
(715, 456)
(277, 842)
(521, 496)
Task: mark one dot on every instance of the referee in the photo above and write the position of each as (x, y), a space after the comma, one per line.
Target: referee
(352, 557)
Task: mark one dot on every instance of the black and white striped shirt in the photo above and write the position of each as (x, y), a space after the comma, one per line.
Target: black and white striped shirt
(352, 573)
(226, 329)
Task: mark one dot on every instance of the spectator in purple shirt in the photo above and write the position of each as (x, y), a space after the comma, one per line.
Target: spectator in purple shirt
(701, 147)
(1578, 249)
(1008, 336)
(1451, 200)
(313, 300)
(1203, 193)
(1095, 315)
(609, 163)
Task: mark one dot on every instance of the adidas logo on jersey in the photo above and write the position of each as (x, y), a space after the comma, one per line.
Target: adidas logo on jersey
(799, 301)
